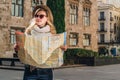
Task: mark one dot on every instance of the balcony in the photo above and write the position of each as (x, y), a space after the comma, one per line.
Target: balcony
(102, 30)
(101, 19)
(102, 42)
(110, 42)
(105, 43)
(111, 30)
(111, 18)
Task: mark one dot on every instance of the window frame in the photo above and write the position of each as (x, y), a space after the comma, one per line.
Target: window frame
(73, 11)
(12, 34)
(102, 26)
(17, 11)
(73, 39)
(36, 2)
(86, 39)
(102, 38)
(102, 15)
(86, 16)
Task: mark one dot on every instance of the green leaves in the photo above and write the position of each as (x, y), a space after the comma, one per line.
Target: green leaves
(58, 9)
(81, 52)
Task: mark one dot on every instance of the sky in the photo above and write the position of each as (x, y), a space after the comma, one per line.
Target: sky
(114, 2)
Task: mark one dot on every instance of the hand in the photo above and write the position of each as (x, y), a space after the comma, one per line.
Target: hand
(16, 46)
(64, 48)
(32, 22)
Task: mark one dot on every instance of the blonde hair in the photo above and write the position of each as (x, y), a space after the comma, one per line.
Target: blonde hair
(48, 14)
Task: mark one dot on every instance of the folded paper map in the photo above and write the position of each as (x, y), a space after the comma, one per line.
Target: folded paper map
(42, 52)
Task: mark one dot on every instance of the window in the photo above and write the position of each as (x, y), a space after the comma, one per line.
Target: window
(86, 16)
(86, 39)
(17, 8)
(115, 28)
(115, 17)
(73, 14)
(102, 15)
(110, 25)
(102, 38)
(110, 14)
(36, 2)
(12, 34)
(110, 37)
(86, 12)
(111, 18)
(73, 39)
(102, 26)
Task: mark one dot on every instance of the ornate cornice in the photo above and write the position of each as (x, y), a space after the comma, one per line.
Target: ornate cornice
(74, 1)
(87, 3)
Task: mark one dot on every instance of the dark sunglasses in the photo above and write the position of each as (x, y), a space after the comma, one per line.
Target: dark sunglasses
(40, 16)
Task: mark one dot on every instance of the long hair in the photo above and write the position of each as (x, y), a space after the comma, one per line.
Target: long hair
(49, 21)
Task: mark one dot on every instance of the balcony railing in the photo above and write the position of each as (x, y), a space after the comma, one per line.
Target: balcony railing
(102, 30)
(108, 42)
(111, 30)
(101, 19)
(111, 18)
(101, 42)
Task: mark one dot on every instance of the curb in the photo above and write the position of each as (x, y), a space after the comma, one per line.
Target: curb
(21, 68)
(69, 66)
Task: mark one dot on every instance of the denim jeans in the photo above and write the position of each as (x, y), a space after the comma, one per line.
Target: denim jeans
(38, 73)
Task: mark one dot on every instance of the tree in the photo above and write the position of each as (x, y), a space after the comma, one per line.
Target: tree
(58, 10)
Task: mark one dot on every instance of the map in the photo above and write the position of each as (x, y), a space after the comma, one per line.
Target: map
(42, 52)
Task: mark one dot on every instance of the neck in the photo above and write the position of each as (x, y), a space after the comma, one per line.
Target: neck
(41, 26)
(46, 28)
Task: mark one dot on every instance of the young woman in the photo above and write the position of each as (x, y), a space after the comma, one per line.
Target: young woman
(41, 25)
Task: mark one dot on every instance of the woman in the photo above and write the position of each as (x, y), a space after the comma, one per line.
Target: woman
(41, 25)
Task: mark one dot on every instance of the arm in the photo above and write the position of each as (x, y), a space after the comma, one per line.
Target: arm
(64, 48)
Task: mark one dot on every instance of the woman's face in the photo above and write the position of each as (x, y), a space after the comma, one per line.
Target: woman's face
(41, 18)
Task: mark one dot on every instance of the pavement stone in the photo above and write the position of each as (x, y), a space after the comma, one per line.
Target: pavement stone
(22, 67)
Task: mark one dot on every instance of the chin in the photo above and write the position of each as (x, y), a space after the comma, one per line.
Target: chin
(39, 24)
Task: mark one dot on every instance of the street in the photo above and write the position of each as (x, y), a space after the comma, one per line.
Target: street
(109, 72)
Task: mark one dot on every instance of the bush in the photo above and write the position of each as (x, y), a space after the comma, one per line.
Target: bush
(71, 53)
(58, 9)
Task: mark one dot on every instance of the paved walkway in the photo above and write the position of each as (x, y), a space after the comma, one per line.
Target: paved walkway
(20, 66)
(108, 72)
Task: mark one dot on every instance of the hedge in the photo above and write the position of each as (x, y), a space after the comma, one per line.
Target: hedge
(58, 10)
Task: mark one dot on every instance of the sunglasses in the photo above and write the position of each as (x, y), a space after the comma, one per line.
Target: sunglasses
(40, 16)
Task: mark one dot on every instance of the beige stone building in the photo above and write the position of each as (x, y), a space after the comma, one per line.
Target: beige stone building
(81, 24)
(116, 3)
(109, 28)
(14, 15)
(80, 20)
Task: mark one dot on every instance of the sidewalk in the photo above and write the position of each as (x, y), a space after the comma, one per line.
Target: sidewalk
(6, 65)
(70, 66)
(20, 66)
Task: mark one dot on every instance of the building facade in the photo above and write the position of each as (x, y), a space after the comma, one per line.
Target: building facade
(80, 21)
(14, 15)
(108, 29)
(81, 24)
(116, 3)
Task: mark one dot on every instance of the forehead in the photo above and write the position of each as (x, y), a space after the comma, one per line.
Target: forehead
(41, 12)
